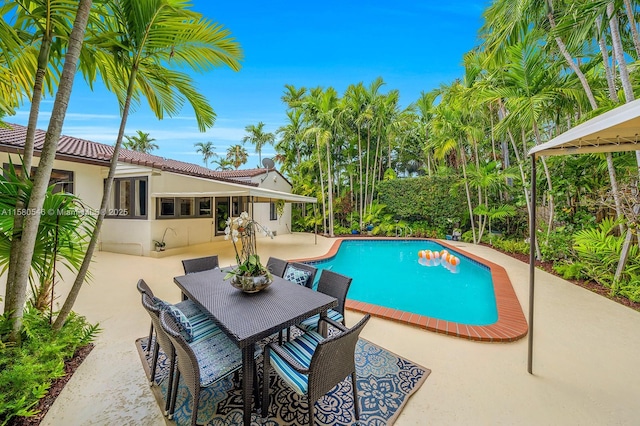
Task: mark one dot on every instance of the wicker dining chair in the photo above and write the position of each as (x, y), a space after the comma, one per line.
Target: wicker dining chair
(302, 274)
(277, 266)
(162, 341)
(144, 288)
(200, 264)
(312, 365)
(200, 326)
(200, 364)
(332, 284)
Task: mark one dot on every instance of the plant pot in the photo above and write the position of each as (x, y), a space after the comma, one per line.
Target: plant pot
(250, 284)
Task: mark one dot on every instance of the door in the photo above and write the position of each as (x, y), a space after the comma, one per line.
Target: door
(223, 206)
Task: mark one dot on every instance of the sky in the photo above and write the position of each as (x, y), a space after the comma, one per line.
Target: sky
(414, 45)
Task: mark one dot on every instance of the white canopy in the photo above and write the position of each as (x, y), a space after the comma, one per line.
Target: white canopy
(613, 131)
(260, 194)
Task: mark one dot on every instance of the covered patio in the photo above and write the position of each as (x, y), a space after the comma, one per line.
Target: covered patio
(586, 348)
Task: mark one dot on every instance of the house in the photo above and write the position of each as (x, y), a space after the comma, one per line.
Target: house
(159, 199)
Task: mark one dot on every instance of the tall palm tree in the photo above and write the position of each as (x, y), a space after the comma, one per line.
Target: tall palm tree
(42, 29)
(237, 155)
(16, 297)
(207, 150)
(141, 142)
(258, 137)
(136, 58)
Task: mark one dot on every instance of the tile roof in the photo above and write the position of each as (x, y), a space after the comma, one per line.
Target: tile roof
(81, 150)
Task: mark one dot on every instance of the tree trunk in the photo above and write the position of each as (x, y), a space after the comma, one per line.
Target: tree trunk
(27, 154)
(366, 177)
(330, 189)
(574, 67)
(466, 188)
(361, 206)
(611, 84)
(324, 204)
(16, 299)
(632, 23)
(618, 50)
(104, 204)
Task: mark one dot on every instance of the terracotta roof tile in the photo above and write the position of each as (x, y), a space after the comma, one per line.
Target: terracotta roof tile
(98, 153)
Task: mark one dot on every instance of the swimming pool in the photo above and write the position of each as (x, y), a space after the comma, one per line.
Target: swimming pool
(389, 273)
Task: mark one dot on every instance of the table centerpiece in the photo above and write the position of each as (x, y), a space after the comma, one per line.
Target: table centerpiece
(250, 275)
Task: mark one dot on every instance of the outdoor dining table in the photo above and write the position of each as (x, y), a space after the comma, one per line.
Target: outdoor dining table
(248, 318)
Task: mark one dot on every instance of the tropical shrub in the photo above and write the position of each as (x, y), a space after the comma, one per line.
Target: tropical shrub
(27, 369)
(555, 247)
(599, 251)
(511, 246)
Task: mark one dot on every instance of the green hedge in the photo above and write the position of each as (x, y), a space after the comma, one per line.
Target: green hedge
(432, 199)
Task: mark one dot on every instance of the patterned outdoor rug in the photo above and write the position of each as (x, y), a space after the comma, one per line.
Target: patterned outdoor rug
(385, 383)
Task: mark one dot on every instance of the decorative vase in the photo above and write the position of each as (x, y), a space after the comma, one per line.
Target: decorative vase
(250, 284)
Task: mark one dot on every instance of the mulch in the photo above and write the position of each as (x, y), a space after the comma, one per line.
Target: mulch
(70, 366)
(589, 285)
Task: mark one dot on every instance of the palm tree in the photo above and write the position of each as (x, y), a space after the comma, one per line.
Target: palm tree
(16, 297)
(140, 142)
(39, 26)
(135, 57)
(223, 164)
(237, 155)
(207, 150)
(258, 137)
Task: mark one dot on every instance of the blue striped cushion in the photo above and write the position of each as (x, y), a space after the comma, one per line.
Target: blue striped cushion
(195, 325)
(301, 349)
(311, 323)
(217, 357)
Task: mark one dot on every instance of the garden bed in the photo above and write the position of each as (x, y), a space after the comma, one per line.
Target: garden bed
(70, 367)
(589, 285)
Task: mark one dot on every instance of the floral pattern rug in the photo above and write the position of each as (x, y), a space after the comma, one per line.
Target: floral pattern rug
(385, 383)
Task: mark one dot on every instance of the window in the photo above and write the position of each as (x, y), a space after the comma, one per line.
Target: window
(186, 206)
(182, 207)
(128, 198)
(63, 179)
(238, 205)
(167, 207)
(273, 211)
(203, 207)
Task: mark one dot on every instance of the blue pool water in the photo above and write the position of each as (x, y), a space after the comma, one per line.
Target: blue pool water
(390, 274)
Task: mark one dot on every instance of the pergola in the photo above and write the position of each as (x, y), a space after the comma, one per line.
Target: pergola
(614, 131)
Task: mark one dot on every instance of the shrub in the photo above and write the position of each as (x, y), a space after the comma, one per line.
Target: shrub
(428, 199)
(511, 246)
(27, 370)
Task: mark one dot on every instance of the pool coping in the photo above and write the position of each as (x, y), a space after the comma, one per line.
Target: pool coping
(510, 326)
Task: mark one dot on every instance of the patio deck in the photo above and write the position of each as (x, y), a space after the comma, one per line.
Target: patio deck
(585, 354)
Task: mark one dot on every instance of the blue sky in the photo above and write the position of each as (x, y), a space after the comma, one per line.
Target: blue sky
(413, 45)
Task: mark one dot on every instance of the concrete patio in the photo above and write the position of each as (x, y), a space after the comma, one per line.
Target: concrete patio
(585, 365)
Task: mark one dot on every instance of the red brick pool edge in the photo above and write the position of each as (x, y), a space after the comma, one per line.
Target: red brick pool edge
(511, 324)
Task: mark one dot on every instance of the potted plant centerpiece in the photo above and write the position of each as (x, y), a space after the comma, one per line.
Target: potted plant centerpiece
(250, 275)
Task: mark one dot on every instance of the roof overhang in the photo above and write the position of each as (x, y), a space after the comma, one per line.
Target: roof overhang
(613, 131)
(259, 194)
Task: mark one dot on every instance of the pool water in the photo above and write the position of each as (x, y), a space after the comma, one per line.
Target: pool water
(390, 274)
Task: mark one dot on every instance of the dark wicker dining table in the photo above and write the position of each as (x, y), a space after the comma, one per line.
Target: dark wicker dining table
(248, 318)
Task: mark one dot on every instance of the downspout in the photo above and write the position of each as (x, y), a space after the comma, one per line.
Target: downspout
(532, 261)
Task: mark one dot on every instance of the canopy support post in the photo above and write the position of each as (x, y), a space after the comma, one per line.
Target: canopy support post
(532, 261)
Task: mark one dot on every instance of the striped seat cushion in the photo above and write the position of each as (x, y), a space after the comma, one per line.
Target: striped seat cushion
(193, 323)
(217, 357)
(311, 323)
(301, 349)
